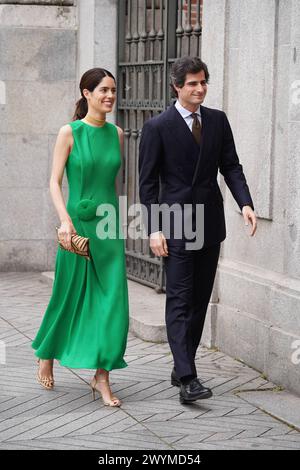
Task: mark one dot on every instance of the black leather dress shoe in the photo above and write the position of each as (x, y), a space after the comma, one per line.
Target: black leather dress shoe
(174, 379)
(193, 391)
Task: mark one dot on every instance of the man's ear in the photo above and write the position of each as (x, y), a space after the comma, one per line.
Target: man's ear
(176, 88)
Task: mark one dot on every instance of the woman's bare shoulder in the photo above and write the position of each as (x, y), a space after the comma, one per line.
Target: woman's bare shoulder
(65, 137)
(120, 131)
(65, 134)
(66, 130)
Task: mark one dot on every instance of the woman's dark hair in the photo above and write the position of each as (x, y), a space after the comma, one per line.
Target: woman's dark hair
(185, 65)
(89, 80)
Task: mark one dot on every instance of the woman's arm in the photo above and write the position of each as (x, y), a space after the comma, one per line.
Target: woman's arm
(63, 146)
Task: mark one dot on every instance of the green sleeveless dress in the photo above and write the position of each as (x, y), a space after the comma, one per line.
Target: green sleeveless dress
(86, 322)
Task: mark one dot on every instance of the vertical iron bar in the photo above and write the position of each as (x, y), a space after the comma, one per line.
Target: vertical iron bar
(129, 35)
(152, 37)
(165, 58)
(179, 30)
(160, 34)
(197, 28)
(126, 152)
(188, 28)
(144, 35)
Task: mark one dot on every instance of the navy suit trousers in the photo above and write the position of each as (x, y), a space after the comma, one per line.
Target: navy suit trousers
(189, 282)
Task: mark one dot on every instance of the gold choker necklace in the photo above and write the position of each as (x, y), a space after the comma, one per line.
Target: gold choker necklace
(95, 121)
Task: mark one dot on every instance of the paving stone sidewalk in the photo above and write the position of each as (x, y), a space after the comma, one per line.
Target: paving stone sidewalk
(151, 416)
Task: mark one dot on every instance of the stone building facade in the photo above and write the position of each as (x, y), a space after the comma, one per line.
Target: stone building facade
(252, 50)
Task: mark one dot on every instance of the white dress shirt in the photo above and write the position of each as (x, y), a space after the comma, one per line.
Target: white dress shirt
(186, 114)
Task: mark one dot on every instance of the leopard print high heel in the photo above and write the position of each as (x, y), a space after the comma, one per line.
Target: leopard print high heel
(46, 382)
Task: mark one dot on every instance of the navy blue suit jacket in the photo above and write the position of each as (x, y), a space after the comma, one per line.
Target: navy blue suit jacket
(173, 168)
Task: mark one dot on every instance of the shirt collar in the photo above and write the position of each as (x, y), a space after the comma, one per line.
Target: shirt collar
(185, 112)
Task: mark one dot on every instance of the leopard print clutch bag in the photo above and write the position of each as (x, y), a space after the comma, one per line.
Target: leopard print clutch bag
(79, 245)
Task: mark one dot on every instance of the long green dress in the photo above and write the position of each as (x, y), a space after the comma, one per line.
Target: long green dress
(86, 322)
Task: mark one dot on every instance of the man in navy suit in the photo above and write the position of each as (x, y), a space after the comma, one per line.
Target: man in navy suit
(181, 151)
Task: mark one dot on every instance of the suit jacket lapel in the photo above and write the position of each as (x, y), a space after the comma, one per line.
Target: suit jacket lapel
(181, 132)
(196, 155)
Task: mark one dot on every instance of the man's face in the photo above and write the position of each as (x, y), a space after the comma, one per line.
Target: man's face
(193, 92)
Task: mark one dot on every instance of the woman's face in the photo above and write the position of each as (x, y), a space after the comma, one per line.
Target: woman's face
(103, 97)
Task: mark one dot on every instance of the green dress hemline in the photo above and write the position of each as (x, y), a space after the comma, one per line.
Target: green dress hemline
(123, 365)
(70, 366)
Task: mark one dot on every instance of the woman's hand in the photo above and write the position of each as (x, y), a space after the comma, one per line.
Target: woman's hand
(64, 233)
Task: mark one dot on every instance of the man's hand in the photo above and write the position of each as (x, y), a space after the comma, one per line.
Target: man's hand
(158, 244)
(249, 214)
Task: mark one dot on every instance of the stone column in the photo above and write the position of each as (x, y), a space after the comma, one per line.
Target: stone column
(213, 46)
(37, 95)
(253, 57)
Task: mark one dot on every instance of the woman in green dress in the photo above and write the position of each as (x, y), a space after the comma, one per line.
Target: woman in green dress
(86, 322)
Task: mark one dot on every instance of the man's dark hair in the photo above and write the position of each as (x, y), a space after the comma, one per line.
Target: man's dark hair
(181, 67)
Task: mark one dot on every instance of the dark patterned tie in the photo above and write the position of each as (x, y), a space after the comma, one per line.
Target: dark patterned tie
(196, 128)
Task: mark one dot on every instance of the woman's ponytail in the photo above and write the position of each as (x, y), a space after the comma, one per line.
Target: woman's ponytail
(81, 109)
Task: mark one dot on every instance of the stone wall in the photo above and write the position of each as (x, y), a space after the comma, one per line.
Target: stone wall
(252, 51)
(45, 46)
(253, 56)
